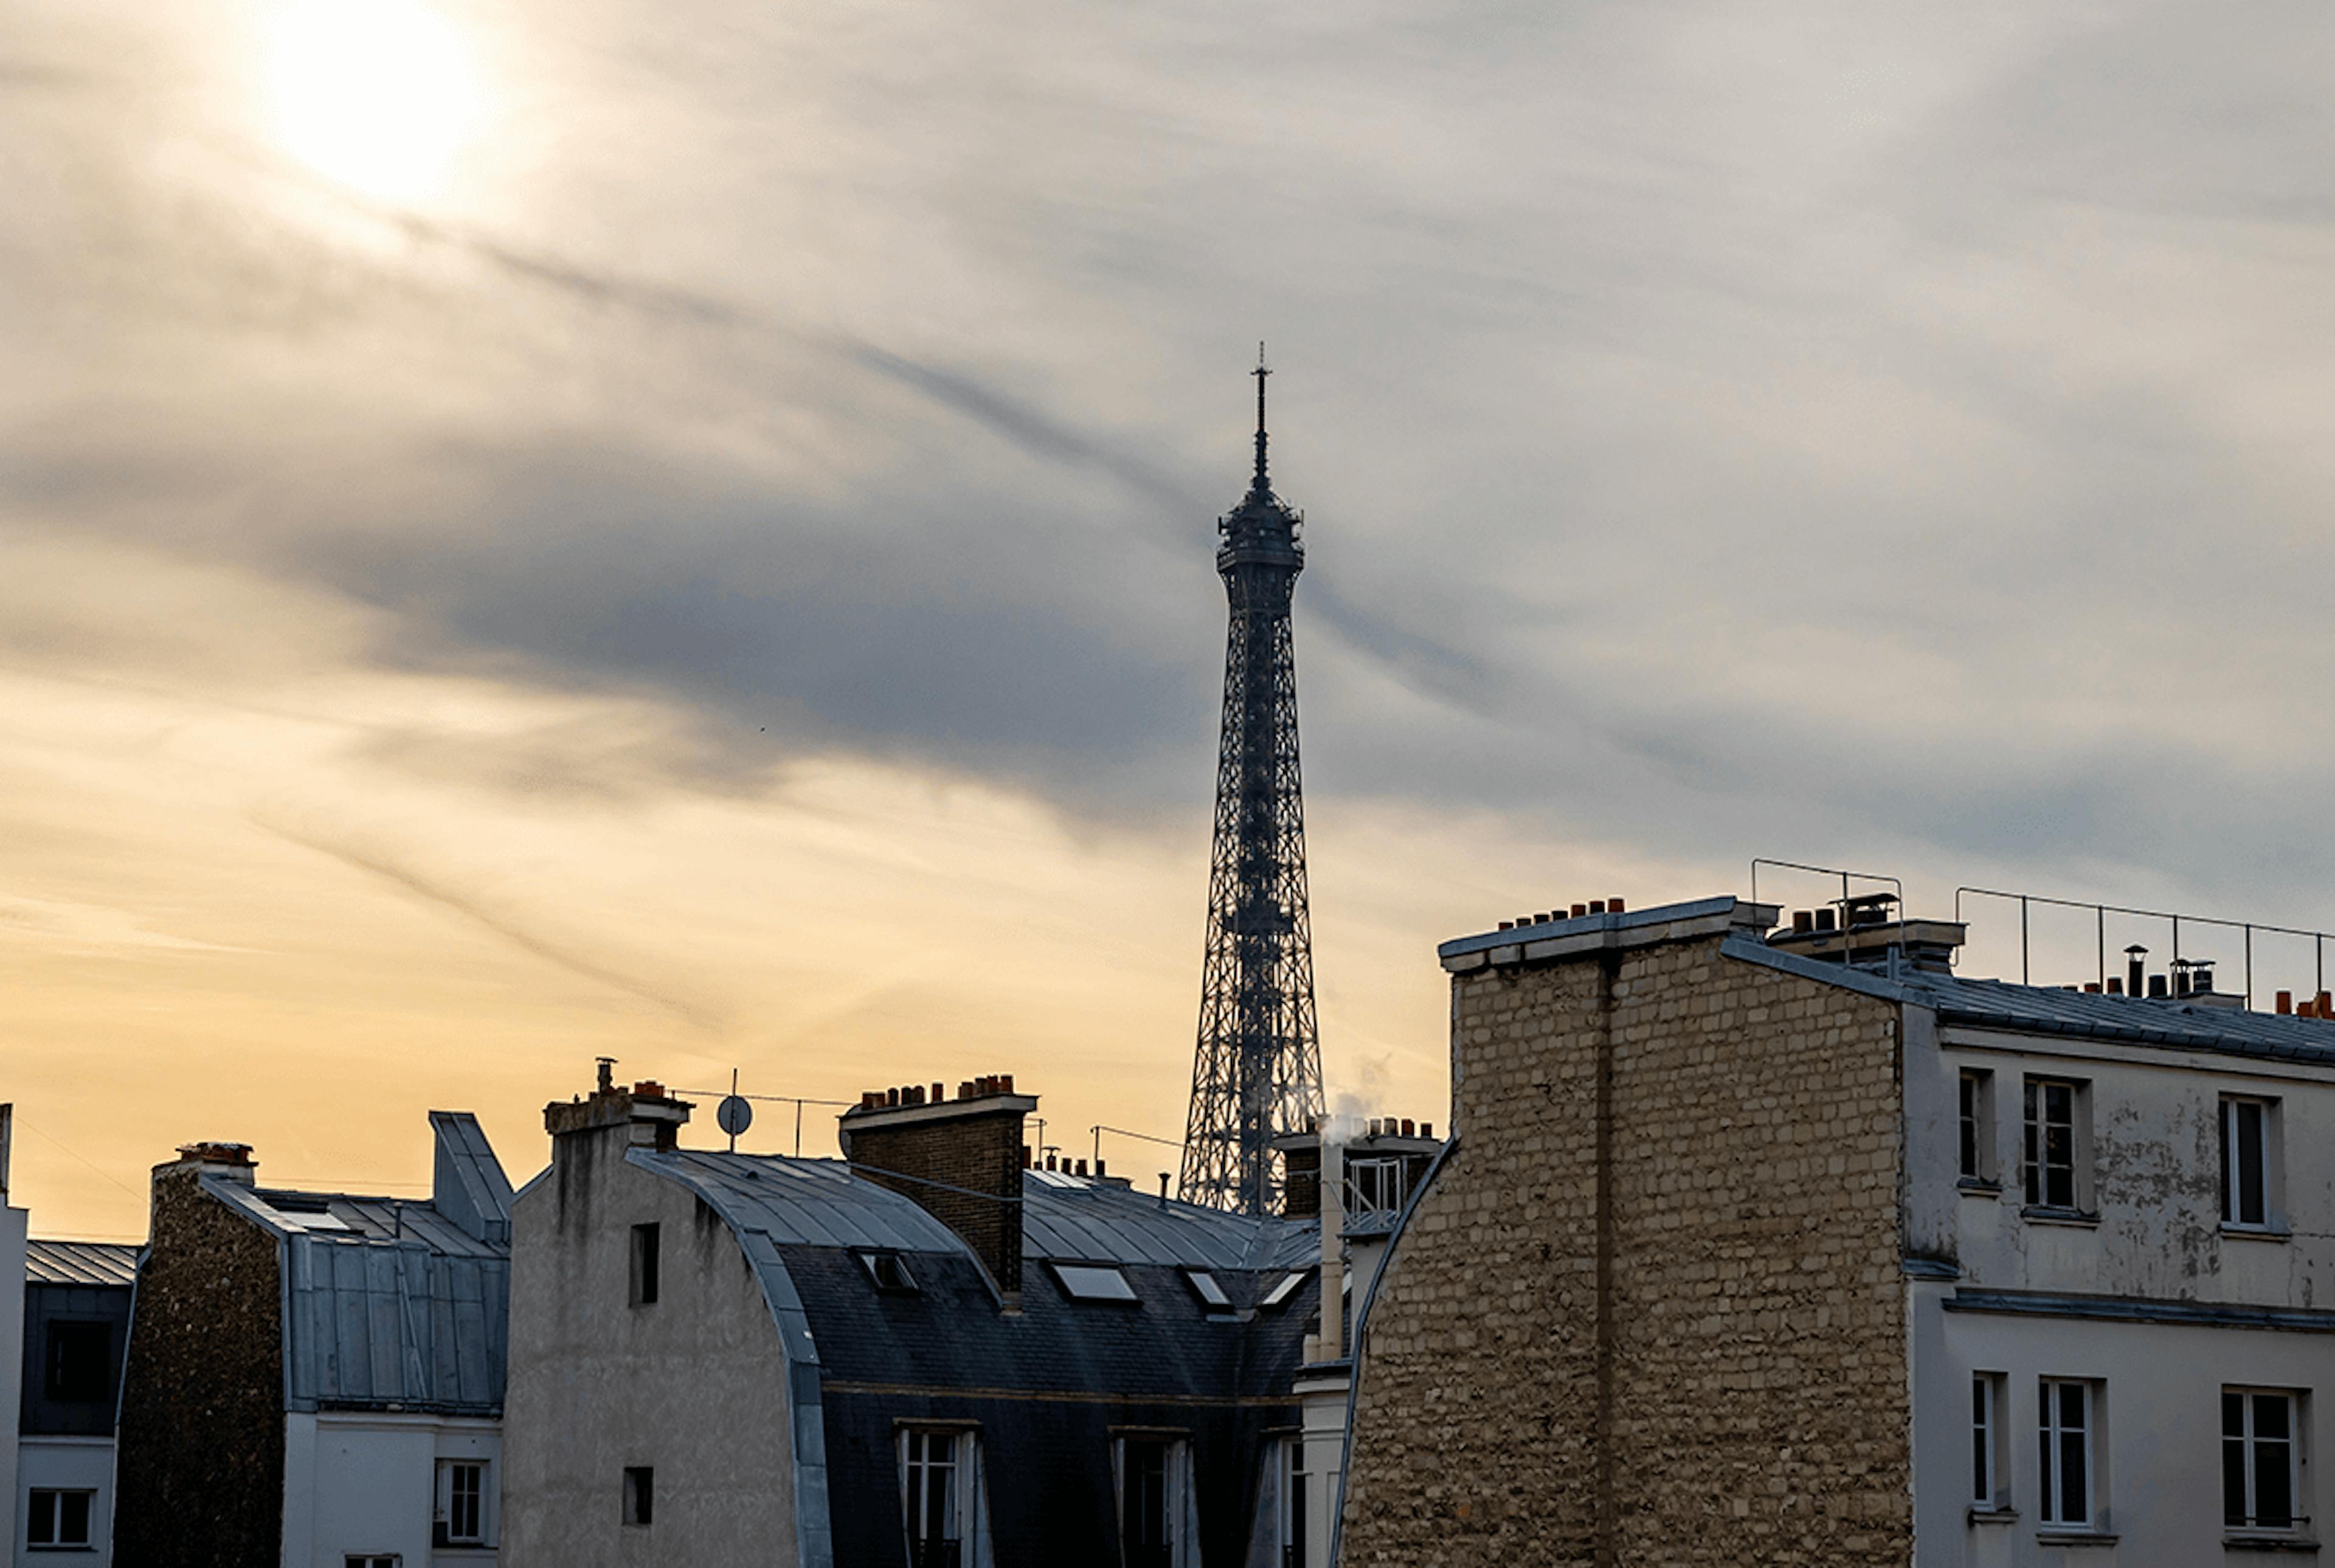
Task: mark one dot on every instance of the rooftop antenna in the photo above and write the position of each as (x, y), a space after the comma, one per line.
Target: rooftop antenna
(1261, 371)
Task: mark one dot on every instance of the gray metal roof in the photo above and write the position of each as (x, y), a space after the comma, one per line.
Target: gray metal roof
(390, 1302)
(55, 1262)
(2047, 1009)
(819, 1202)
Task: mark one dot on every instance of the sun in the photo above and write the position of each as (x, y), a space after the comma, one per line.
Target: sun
(379, 94)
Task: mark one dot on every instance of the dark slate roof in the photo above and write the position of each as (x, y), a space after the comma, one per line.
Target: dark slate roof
(1048, 1384)
(51, 1263)
(391, 1302)
(2181, 1024)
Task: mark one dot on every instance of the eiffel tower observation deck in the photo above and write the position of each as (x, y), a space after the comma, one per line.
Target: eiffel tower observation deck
(1256, 1072)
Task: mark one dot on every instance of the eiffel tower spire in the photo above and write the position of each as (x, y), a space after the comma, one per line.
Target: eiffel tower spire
(1256, 1071)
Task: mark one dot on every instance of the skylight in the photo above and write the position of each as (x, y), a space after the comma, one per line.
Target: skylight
(1203, 1285)
(889, 1271)
(1285, 1290)
(1093, 1283)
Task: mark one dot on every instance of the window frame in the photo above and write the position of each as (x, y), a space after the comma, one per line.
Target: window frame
(2267, 1154)
(1295, 1483)
(2053, 1432)
(1178, 1514)
(2250, 1445)
(1084, 1283)
(963, 1491)
(55, 1497)
(449, 1501)
(1282, 1292)
(877, 1261)
(372, 1559)
(645, 1265)
(1977, 1160)
(2036, 1125)
(1990, 1488)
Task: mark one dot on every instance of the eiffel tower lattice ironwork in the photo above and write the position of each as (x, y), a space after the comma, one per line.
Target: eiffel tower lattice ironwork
(1258, 1070)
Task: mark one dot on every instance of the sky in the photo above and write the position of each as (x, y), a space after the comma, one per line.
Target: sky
(685, 532)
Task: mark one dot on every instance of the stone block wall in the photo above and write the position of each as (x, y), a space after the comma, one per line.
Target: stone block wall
(1650, 1310)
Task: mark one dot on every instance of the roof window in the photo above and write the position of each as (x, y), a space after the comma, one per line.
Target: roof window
(1093, 1283)
(1203, 1285)
(1287, 1288)
(889, 1271)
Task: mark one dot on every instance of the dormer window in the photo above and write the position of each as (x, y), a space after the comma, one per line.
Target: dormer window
(889, 1272)
(1212, 1294)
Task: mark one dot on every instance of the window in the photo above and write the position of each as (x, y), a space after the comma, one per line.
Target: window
(1293, 1504)
(462, 1503)
(58, 1519)
(937, 1495)
(2067, 1453)
(1285, 1290)
(77, 1362)
(640, 1494)
(1203, 1285)
(1153, 1531)
(1374, 1187)
(2258, 1460)
(1988, 1470)
(2246, 1162)
(1093, 1283)
(2052, 1124)
(1977, 1119)
(890, 1272)
(372, 1560)
(644, 1265)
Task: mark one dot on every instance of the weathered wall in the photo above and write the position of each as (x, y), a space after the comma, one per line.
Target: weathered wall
(1651, 1309)
(199, 1479)
(693, 1385)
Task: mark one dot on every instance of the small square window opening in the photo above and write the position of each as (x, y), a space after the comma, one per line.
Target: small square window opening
(1093, 1283)
(889, 1272)
(58, 1518)
(640, 1494)
(1203, 1285)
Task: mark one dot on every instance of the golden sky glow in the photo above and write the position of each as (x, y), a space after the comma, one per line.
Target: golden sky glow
(381, 94)
(540, 528)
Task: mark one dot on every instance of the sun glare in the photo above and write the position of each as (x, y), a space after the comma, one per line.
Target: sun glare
(381, 94)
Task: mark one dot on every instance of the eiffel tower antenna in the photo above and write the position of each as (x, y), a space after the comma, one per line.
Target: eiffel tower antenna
(1256, 1072)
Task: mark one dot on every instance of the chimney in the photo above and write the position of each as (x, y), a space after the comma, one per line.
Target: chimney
(7, 1140)
(648, 1116)
(960, 1160)
(2136, 970)
(1332, 1342)
(1301, 1169)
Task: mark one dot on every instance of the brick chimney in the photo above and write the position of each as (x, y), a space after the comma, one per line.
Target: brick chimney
(649, 1117)
(960, 1160)
(1300, 1186)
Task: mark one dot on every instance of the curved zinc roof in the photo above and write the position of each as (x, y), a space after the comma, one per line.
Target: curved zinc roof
(819, 1202)
(53, 1263)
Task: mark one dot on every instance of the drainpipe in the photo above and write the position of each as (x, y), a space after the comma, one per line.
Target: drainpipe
(1333, 1227)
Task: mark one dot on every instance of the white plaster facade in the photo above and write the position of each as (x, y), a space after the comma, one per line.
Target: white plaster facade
(374, 1485)
(72, 1464)
(15, 1224)
(2146, 1297)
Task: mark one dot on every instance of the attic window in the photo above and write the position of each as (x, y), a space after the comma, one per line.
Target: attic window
(306, 1213)
(1203, 1285)
(889, 1271)
(1093, 1283)
(1285, 1290)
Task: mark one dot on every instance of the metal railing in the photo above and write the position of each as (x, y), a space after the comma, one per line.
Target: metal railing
(1845, 878)
(2100, 913)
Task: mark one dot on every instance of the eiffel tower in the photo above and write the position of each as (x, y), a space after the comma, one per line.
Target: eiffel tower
(1258, 1070)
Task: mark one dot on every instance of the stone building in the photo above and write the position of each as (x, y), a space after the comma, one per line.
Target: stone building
(925, 1355)
(315, 1380)
(1745, 1255)
(76, 1326)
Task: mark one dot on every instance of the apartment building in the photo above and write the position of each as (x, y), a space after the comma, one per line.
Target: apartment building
(76, 1327)
(315, 1380)
(1793, 1246)
(931, 1353)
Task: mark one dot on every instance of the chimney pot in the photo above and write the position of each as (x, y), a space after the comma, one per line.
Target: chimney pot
(2326, 1005)
(965, 1090)
(2285, 1001)
(607, 1075)
(1541, 919)
(1824, 919)
(1005, 1084)
(1025, 1157)
(1802, 922)
(1407, 1127)
(1507, 926)
(2093, 986)
(1082, 1167)
(1579, 910)
(1596, 906)
(940, 1094)
(1099, 1173)
(891, 1098)
(1427, 1129)
(2156, 987)
(2115, 985)
(1614, 906)
(648, 1089)
(1050, 1162)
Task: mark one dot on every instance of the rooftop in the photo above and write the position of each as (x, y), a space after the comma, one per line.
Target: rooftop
(61, 1263)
